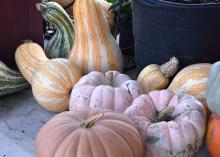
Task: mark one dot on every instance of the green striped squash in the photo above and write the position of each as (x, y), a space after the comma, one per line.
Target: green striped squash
(60, 45)
(11, 81)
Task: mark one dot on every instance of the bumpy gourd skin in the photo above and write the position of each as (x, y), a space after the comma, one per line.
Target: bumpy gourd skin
(213, 89)
(60, 45)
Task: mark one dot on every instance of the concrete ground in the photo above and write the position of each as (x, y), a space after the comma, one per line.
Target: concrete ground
(20, 120)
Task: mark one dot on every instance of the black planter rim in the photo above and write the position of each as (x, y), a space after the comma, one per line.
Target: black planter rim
(169, 4)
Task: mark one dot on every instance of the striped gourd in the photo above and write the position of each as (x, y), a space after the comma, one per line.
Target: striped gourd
(60, 45)
(11, 81)
(95, 48)
(192, 80)
(52, 83)
(28, 56)
(156, 77)
(109, 15)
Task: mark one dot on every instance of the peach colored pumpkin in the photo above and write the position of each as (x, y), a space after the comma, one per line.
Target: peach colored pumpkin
(52, 83)
(171, 124)
(89, 133)
(213, 135)
(112, 90)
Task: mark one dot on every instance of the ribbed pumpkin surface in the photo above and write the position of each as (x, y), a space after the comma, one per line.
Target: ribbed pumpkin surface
(28, 56)
(107, 135)
(95, 48)
(52, 83)
(192, 80)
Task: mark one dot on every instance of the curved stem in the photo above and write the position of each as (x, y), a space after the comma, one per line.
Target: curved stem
(91, 121)
(169, 68)
(165, 113)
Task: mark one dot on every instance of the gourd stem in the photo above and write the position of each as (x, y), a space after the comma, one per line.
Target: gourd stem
(169, 68)
(91, 121)
(26, 41)
(165, 113)
(109, 78)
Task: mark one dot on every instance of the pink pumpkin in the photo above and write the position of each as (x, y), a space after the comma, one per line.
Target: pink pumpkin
(112, 90)
(170, 124)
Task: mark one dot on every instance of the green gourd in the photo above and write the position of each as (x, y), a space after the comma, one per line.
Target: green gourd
(11, 81)
(213, 89)
(60, 45)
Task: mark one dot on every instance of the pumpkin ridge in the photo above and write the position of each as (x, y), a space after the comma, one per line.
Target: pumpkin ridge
(115, 132)
(101, 141)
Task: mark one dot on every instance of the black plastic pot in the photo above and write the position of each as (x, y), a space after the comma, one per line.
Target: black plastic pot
(162, 29)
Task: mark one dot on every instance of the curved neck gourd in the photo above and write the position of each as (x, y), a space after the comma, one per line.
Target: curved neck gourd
(60, 45)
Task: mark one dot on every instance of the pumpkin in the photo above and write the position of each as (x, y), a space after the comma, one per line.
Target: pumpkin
(89, 133)
(109, 15)
(212, 135)
(95, 48)
(60, 45)
(111, 90)
(28, 56)
(11, 81)
(170, 124)
(52, 83)
(213, 89)
(156, 77)
(192, 80)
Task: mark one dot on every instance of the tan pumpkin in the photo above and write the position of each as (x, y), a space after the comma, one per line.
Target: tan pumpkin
(28, 56)
(156, 77)
(52, 83)
(95, 48)
(192, 80)
(89, 133)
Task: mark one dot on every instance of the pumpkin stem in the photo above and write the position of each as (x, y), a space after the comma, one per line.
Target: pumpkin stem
(26, 41)
(91, 121)
(109, 78)
(165, 114)
(169, 68)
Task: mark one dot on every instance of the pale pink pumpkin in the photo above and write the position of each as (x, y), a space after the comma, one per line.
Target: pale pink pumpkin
(170, 124)
(112, 90)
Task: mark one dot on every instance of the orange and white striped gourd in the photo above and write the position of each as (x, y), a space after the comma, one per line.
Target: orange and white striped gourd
(95, 48)
(28, 56)
(192, 80)
(52, 83)
(156, 77)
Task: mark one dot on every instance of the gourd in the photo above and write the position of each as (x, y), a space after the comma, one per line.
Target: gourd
(192, 80)
(52, 83)
(156, 77)
(28, 56)
(95, 48)
(11, 81)
(170, 124)
(213, 89)
(89, 133)
(60, 45)
(109, 15)
(212, 135)
(111, 90)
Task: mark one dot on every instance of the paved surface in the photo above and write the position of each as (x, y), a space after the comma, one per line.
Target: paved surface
(20, 120)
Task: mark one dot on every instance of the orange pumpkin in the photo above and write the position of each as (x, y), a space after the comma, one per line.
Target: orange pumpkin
(213, 135)
(89, 133)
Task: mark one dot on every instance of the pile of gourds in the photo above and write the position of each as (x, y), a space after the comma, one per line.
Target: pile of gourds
(109, 113)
